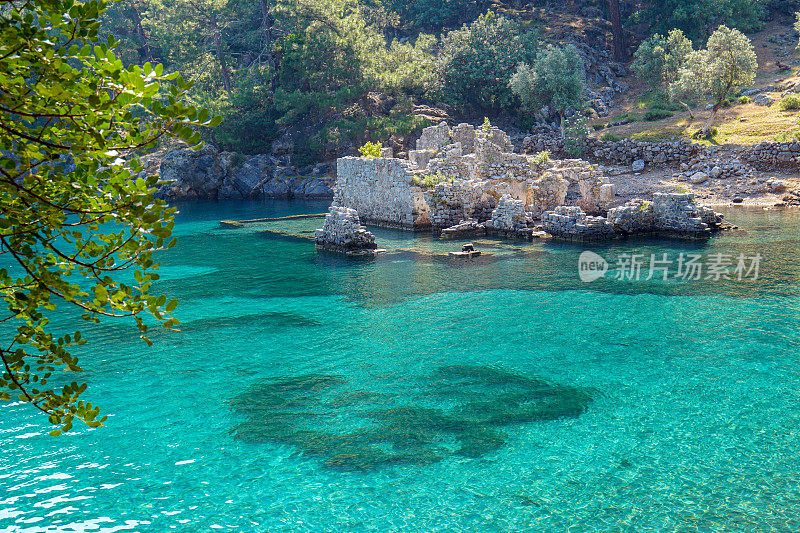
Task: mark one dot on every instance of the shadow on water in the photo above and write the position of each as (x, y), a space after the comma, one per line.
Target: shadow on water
(457, 410)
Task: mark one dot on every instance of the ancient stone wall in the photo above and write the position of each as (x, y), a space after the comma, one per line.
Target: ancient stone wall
(572, 223)
(382, 191)
(764, 156)
(773, 155)
(509, 215)
(624, 151)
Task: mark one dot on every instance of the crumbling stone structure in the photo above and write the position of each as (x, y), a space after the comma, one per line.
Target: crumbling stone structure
(482, 185)
(343, 233)
(673, 215)
(571, 223)
(382, 191)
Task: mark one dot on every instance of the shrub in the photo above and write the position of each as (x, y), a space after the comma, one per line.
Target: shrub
(371, 150)
(625, 118)
(744, 100)
(248, 123)
(657, 114)
(434, 14)
(661, 100)
(727, 64)
(540, 159)
(658, 60)
(696, 17)
(477, 61)
(610, 137)
(429, 181)
(575, 133)
(790, 102)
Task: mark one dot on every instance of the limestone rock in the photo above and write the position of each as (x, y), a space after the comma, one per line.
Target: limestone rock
(638, 165)
(763, 100)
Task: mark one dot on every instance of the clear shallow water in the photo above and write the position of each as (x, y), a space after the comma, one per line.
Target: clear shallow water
(693, 423)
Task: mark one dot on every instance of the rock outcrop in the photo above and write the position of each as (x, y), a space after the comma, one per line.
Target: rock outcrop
(208, 174)
(343, 233)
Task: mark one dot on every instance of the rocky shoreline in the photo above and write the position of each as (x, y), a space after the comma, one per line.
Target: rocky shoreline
(635, 169)
(211, 174)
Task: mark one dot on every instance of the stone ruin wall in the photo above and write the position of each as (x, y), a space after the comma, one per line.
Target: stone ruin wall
(764, 156)
(674, 215)
(768, 156)
(381, 190)
(480, 168)
(624, 151)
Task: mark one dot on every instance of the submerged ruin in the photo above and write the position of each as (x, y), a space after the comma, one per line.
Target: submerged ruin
(466, 182)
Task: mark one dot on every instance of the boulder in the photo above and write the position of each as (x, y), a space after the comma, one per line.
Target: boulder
(638, 165)
(698, 177)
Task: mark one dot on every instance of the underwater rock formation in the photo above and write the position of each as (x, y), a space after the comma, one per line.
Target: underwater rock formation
(457, 410)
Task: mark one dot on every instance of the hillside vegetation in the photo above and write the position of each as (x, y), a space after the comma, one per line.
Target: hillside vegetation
(330, 75)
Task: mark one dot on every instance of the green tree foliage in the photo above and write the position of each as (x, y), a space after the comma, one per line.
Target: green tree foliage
(556, 79)
(436, 15)
(75, 221)
(697, 18)
(477, 61)
(658, 60)
(727, 64)
(797, 26)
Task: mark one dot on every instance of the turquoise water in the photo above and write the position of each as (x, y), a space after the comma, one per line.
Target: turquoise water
(676, 402)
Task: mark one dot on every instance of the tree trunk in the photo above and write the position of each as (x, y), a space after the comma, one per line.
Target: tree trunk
(616, 30)
(226, 75)
(267, 23)
(689, 109)
(145, 53)
(707, 127)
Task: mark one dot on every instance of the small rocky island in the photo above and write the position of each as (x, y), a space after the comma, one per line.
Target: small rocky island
(466, 182)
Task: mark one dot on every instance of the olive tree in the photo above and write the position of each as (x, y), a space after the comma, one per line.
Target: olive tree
(74, 214)
(727, 64)
(556, 79)
(658, 59)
